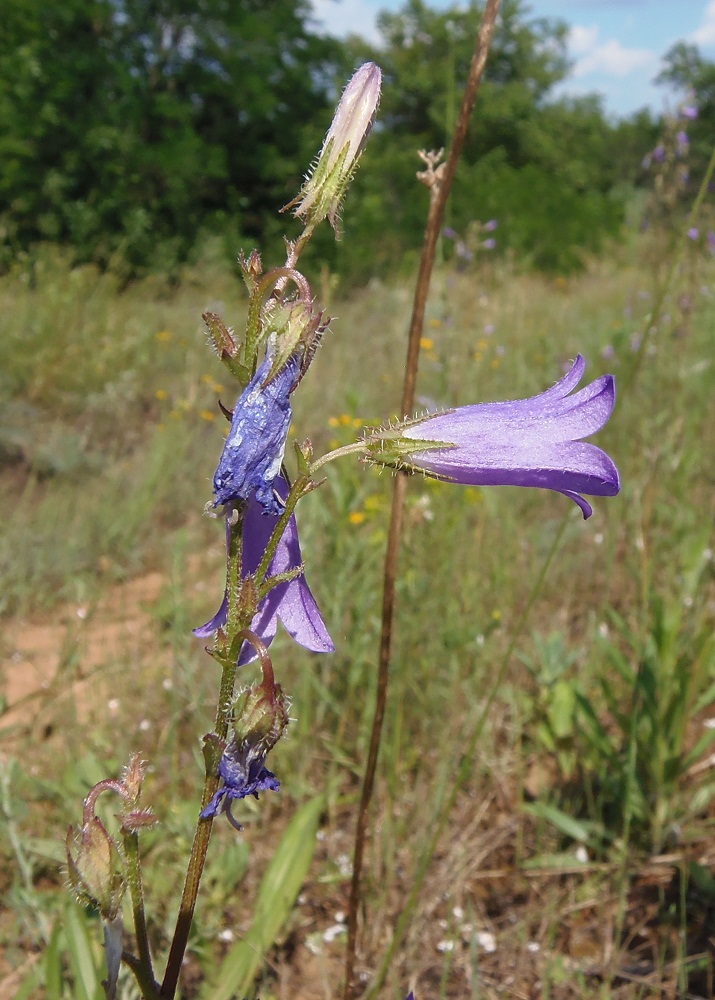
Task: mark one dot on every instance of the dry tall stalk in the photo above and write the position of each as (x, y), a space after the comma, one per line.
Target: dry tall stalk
(439, 179)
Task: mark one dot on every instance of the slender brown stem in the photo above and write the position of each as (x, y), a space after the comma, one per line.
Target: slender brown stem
(441, 185)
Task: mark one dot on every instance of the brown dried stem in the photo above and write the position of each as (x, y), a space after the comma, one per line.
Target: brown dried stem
(439, 179)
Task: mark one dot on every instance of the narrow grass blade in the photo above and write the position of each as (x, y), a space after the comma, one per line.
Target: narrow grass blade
(566, 824)
(31, 986)
(53, 965)
(279, 889)
(87, 976)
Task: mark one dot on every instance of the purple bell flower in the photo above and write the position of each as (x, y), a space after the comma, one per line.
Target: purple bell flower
(292, 602)
(525, 442)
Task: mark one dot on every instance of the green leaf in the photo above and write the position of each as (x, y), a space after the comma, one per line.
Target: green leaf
(31, 985)
(53, 965)
(561, 709)
(566, 824)
(561, 860)
(279, 890)
(87, 976)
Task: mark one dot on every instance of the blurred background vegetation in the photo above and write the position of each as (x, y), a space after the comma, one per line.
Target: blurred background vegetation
(146, 135)
(143, 145)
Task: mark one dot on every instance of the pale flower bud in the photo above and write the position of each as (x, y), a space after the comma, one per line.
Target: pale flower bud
(95, 869)
(325, 186)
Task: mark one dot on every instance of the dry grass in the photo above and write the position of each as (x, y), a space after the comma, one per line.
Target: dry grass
(98, 661)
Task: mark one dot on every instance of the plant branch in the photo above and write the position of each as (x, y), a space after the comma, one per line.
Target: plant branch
(440, 188)
(204, 827)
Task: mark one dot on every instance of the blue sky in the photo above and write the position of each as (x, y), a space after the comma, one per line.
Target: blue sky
(616, 45)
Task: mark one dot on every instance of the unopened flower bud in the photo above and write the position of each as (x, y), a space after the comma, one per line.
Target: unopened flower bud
(325, 186)
(294, 328)
(260, 715)
(96, 872)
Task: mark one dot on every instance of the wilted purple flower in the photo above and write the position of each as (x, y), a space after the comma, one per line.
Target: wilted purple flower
(244, 773)
(524, 442)
(490, 226)
(259, 719)
(292, 602)
(693, 233)
(254, 449)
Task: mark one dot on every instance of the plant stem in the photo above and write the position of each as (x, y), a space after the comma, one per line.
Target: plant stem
(439, 192)
(144, 970)
(204, 827)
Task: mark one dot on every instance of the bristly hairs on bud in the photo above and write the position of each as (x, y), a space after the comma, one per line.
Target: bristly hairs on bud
(326, 183)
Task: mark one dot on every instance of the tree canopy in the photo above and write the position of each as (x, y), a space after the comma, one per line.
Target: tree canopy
(134, 128)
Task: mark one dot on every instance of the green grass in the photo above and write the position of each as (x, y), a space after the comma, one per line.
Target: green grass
(108, 448)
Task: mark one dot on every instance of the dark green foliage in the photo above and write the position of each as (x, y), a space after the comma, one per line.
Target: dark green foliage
(131, 127)
(555, 174)
(695, 76)
(135, 129)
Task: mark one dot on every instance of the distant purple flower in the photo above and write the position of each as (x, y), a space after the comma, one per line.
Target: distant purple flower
(244, 773)
(462, 251)
(659, 153)
(608, 352)
(647, 161)
(292, 602)
(489, 244)
(526, 442)
(693, 233)
(450, 233)
(710, 237)
(490, 226)
(688, 111)
(682, 141)
(254, 449)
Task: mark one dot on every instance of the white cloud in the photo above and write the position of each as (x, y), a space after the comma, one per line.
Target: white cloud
(610, 58)
(346, 17)
(705, 34)
(582, 39)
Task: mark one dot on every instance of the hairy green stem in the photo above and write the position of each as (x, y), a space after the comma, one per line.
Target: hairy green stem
(204, 827)
(356, 448)
(144, 970)
(441, 183)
